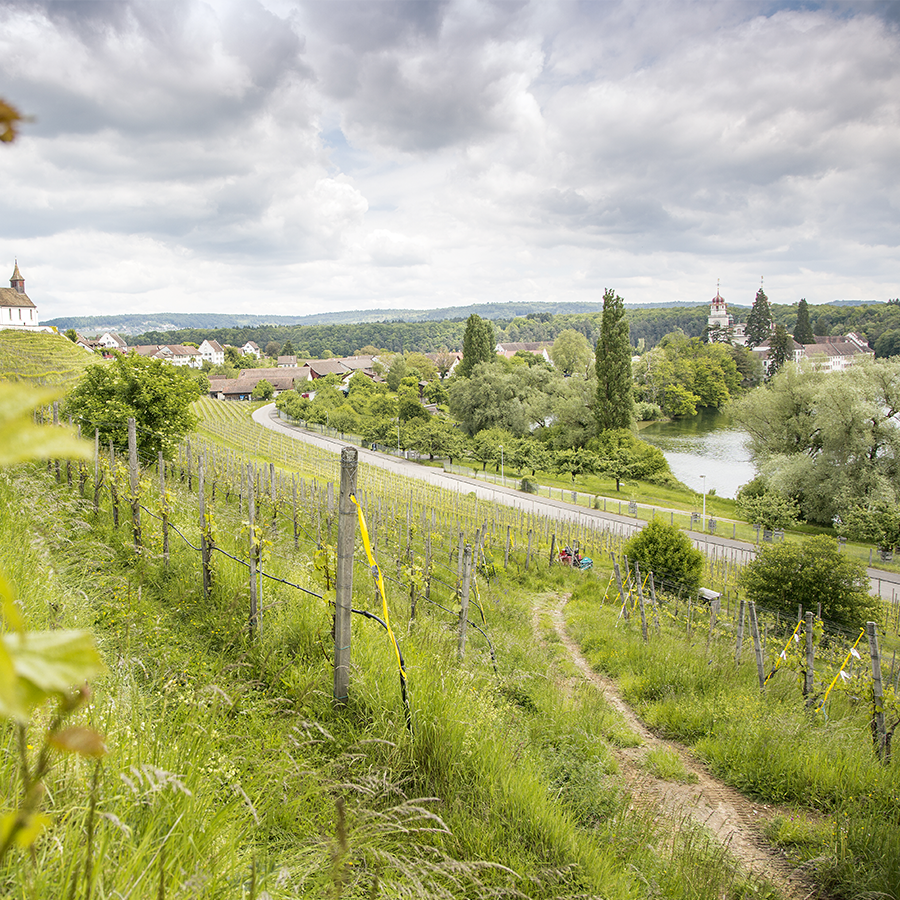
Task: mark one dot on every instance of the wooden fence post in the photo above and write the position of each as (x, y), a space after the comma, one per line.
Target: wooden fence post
(164, 505)
(624, 608)
(809, 679)
(640, 590)
(294, 509)
(464, 601)
(879, 737)
(254, 555)
(653, 601)
(552, 548)
(344, 574)
(740, 633)
(506, 551)
(96, 471)
(757, 647)
(528, 552)
(56, 422)
(113, 492)
(205, 551)
(134, 473)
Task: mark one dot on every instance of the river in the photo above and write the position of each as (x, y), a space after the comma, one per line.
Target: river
(709, 444)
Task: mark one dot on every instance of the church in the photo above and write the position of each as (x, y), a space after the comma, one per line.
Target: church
(16, 310)
(721, 327)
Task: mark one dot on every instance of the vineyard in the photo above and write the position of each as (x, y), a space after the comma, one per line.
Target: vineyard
(41, 358)
(452, 765)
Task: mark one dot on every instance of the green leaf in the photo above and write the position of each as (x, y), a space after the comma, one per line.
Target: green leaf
(8, 603)
(47, 663)
(21, 439)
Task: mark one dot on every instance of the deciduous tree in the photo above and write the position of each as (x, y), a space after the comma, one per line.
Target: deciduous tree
(663, 549)
(784, 576)
(157, 394)
(478, 345)
(571, 352)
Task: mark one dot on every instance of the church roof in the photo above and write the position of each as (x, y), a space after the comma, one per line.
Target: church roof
(11, 297)
(16, 276)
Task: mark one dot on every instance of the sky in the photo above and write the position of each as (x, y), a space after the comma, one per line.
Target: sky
(286, 158)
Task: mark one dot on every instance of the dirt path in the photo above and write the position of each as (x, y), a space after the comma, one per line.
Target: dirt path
(733, 819)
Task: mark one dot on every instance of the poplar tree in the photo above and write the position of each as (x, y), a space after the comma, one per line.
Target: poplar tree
(478, 344)
(803, 332)
(615, 391)
(759, 322)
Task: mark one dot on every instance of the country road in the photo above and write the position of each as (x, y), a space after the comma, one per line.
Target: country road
(884, 584)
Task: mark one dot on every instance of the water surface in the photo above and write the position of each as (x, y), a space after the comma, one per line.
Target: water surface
(709, 444)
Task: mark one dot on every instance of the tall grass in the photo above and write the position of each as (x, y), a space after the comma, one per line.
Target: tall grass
(231, 772)
(772, 746)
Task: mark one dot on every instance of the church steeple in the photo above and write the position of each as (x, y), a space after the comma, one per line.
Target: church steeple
(17, 282)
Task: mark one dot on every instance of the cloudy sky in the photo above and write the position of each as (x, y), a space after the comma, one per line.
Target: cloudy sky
(286, 157)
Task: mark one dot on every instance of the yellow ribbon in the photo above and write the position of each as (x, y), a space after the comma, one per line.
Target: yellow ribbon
(782, 654)
(379, 580)
(844, 663)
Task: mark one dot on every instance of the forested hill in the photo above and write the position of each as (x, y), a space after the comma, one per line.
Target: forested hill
(132, 323)
(344, 339)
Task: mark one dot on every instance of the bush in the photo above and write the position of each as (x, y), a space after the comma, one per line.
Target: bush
(528, 486)
(784, 576)
(663, 549)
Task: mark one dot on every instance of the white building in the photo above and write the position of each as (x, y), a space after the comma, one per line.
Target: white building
(251, 348)
(16, 309)
(213, 351)
(112, 341)
(721, 326)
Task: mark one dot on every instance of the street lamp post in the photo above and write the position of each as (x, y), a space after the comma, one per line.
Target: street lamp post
(502, 479)
(704, 501)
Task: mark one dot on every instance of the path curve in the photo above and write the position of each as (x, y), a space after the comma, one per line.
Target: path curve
(734, 820)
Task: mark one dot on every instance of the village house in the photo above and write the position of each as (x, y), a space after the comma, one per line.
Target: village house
(251, 348)
(538, 348)
(176, 354)
(212, 351)
(832, 353)
(111, 341)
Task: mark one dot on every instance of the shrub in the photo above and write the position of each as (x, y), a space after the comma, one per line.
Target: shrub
(785, 575)
(662, 549)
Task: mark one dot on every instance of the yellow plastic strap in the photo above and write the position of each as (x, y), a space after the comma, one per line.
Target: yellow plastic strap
(379, 580)
(782, 655)
(844, 663)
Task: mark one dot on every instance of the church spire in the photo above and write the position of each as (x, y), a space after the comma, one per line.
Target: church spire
(17, 282)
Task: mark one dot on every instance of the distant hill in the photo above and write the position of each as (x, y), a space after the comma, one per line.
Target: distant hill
(134, 323)
(41, 357)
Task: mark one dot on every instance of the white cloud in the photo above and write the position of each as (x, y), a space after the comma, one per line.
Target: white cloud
(271, 157)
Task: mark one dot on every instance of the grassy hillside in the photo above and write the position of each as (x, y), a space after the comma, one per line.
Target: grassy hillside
(230, 771)
(40, 357)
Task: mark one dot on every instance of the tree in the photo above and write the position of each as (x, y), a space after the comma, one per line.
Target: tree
(830, 440)
(72, 334)
(262, 390)
(803, 332)
(767, 508)
(678, 401)
(622, 455)
(784, 576)
(444, 361)
(615, 392)
(478, 345)
(759, 322)
(878, 523)
(781, 349)
(664, 550)
(436, 437)
(272, 349)
(571, 352)
(287, 349)
(156, 394)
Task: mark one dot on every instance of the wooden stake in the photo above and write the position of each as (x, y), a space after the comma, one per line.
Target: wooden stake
(464, 600)
(757, 647)
(809, 680)
(640, 590)
(135, 483)
(344, 578)
(879, 737)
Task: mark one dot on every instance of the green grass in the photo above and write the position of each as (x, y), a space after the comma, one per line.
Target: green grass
(661, 762)
(41, 358)
(227, 758)
(771, 746)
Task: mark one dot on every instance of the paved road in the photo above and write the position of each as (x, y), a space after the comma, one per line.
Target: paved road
(885, 584)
